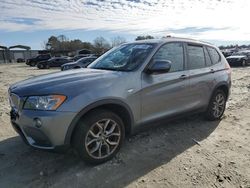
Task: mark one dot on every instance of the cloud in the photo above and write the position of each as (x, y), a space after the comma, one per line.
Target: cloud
(202, 19)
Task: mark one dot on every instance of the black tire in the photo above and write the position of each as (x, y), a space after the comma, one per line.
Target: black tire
(32, 64)
(213, 107)
(86, 128)
(243, 63)
(40, 66)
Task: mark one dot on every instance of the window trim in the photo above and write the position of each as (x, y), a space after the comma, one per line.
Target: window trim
(205, 49)
(188, 60)
(184, 56)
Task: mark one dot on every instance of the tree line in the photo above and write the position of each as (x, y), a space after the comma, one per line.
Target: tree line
(234, 46)
(98, 46)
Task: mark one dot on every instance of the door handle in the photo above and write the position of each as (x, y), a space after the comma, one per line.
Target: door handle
(212, 71)
(183, 77)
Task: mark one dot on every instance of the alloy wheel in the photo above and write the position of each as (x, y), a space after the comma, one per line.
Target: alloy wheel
(219, 105)
(103, 138)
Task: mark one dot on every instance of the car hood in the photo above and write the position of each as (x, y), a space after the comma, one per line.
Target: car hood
(70, 64)
(67, 82)
(235, 56)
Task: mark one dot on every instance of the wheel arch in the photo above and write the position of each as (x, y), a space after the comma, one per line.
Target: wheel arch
(116, 106)
(224, 86)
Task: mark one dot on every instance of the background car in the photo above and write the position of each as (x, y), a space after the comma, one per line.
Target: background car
(20, 60)
(239, 58)
(77, 57)
(81, 63)
(33, 61)
(53, 62)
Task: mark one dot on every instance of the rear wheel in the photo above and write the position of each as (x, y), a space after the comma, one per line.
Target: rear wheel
(243, 63)
(40, 66)
(216, 105)
(99, 136)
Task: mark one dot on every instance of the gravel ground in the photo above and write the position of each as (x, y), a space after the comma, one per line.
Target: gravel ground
(190, 152)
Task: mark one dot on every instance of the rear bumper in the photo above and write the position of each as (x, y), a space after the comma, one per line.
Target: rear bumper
(234, 62)
(52, 132)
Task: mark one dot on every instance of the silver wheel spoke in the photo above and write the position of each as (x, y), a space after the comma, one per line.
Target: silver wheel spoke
(112, 143)
(107, 148)
(106, 124)
(100, 150)
(113, 134)
(93, 134)
(96, 147)
(91, 141)
(111, 130)
(99, 126)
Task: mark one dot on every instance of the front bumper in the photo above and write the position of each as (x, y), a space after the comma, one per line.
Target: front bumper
(51, 133)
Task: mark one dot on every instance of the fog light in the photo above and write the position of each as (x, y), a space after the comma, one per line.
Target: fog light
(37, 122)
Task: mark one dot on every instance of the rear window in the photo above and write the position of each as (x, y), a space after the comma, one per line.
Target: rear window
(196, 57)
(214, 55)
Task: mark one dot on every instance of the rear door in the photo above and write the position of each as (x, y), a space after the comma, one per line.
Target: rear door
(165, 94)
(201, 75)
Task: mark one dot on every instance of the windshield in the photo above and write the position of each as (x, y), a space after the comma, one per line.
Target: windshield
(124, 58)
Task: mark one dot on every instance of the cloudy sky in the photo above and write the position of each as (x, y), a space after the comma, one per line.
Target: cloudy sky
(31, 22)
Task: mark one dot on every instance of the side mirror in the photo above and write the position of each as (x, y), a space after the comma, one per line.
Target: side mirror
(159, 66)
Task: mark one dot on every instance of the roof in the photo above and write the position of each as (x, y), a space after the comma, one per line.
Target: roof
(173, 39)
(3, 47)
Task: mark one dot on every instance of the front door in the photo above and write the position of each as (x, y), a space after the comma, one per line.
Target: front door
(165, 94)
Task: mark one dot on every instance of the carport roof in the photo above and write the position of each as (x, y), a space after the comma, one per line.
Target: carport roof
(3, 47)
(20, 46)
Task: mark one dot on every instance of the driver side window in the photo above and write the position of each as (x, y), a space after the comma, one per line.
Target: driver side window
(172, 52)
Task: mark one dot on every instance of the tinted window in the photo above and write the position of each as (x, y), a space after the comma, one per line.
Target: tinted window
(172, 52)
(214, 55)
(208, 60)
(196, 57)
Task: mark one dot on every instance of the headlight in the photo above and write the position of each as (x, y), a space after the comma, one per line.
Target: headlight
(48, 102)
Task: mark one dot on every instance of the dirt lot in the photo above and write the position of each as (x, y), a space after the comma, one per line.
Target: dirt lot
(190, 152)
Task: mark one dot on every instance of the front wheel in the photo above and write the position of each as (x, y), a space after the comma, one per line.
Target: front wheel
(216, 105)
(32, 64)
(99, 136)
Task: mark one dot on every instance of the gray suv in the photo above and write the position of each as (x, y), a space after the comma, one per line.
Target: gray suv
(93, 109)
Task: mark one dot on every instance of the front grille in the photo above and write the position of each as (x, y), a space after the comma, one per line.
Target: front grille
(14, 101)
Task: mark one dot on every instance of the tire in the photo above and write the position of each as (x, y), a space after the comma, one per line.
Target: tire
(216, 106)
(40, 66)
(32, 64)
(99, 136)
(243, 64)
